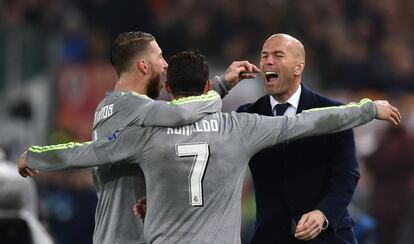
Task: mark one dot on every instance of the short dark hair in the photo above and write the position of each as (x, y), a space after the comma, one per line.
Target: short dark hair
(187, 73)
(126, 46)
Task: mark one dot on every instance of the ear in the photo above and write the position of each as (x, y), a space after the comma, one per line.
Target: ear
(208, 86)
(143, 66)
(300, 66)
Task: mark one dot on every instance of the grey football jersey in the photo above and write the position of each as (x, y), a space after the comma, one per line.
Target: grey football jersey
(119, 186)
(194, 173)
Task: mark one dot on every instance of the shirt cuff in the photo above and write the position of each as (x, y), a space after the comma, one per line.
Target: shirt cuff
(325, 223)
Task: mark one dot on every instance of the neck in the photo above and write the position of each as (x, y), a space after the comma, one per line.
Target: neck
(282, 98)
(128, 82)
(185, 94)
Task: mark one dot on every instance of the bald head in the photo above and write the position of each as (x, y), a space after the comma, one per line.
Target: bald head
(293, 44)
(282, 62)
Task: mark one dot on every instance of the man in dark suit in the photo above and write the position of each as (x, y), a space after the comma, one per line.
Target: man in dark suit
(303, 187)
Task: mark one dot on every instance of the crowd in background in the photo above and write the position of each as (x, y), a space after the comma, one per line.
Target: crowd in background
(52, 48)
(350, 43)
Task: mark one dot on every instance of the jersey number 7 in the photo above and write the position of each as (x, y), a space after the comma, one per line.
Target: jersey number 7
(201, 153)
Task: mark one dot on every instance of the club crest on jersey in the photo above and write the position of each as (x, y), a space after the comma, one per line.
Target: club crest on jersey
(113, 136)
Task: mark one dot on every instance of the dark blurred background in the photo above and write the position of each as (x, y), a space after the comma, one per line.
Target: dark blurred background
(54, 70)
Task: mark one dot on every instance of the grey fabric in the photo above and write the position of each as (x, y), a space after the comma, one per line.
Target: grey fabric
(194, 173)
(119, 186)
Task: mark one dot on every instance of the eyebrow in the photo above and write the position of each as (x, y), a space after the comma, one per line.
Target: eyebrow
(276, 52)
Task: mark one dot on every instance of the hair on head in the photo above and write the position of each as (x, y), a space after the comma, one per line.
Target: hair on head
(126, 46)
(187, 73)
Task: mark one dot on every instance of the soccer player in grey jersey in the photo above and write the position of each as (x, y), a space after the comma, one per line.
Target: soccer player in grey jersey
(194, 173)
(120, 185)
(139, 63)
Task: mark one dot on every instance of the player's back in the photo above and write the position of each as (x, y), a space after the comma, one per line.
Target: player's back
(194, 177)
(194, 173)
(118, 186)
(121, 185)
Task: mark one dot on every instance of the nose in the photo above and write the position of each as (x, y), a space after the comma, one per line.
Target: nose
(165, 64)
(268, 60)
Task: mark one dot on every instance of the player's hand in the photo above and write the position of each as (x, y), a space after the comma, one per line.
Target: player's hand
(386, 111)
(23, 169)
(140, 208)
(310, 225)
(240, 70)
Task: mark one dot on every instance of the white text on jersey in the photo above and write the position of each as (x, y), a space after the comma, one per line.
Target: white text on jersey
(199, 126)
(104, 113)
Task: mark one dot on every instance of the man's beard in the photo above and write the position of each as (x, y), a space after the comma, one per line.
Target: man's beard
(153, 90)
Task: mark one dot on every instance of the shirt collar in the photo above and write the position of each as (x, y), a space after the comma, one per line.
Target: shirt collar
(293, 100)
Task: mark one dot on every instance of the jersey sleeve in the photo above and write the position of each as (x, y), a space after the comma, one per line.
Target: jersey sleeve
(182, 111)
(221, 86)
(114, 149)
(62, 156)
(260, 132)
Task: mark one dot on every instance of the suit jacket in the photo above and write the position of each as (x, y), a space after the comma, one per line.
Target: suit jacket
(297, 177)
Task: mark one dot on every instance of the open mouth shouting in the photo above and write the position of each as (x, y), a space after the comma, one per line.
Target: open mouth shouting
(271, 76)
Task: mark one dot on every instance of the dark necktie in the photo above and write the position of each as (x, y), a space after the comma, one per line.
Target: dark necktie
(280, 111)
(281, 108)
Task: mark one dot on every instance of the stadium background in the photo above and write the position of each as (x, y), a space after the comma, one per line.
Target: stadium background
(54, 70)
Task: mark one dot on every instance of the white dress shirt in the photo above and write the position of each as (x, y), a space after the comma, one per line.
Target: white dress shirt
(293, 101)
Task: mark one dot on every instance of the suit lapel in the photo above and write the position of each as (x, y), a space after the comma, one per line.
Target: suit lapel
(266, 108)
(305, 100)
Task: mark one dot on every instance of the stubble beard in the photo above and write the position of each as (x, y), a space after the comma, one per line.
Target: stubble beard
(153, 90)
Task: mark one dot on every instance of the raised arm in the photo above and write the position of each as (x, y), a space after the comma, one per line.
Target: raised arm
(181, 112)
(125, 149)
(268, 131)
(237, 71)
(191, 109)
(148, 113)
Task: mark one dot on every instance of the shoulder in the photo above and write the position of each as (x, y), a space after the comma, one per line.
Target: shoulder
(133, 97)
(254, 107)
(315, 99)
(229, 120)
(118, 96)
(124, 102)
(240, 119)
(127, 100)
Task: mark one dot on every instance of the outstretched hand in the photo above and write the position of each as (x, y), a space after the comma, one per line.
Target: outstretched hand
(240, 70)
(23, 169)
(386, 111)
(140, 208)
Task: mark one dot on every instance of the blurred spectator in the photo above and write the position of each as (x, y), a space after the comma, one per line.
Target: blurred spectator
(366, 230)
(14, 126)
(359, 44)
(398, 69)
(74, 46)
(19, 222)
(391, 167)
(69, 202)
(407, 234)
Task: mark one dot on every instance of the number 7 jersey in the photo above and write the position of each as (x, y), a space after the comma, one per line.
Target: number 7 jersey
(194, 173)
